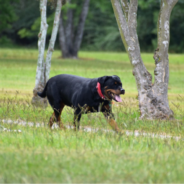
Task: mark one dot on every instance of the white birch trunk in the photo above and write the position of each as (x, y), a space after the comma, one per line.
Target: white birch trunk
(41, 43)
(153, 101)
(53, 38)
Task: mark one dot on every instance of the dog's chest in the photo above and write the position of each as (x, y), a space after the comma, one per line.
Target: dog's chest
(100, 107)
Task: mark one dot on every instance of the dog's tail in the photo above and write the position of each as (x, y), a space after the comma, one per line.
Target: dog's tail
(43, 93)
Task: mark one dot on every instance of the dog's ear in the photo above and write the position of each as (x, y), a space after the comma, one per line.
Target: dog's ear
(102, 80)
(116, 78)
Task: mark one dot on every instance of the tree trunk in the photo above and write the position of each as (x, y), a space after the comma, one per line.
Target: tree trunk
(62, 40)
(40, 72)
(70, 43)
(53, 39)
(43, 68)
(80, 28)
(153, 100)
(69, 31)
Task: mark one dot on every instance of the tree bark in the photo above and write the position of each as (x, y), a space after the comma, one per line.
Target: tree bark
(62, 40)
(153, 100)
(41, 43)
(80, 28)
(125, 6)
(53, 39)
(69, 31)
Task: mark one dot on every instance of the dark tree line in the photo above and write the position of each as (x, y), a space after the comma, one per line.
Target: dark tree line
(20, 22)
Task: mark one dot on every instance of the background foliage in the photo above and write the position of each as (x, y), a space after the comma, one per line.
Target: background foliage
(20, 23)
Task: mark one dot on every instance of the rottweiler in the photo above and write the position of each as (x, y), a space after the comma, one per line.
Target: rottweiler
(85, 95)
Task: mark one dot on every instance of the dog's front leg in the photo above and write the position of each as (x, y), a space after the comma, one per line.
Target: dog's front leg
(107, 112)
(110, 119)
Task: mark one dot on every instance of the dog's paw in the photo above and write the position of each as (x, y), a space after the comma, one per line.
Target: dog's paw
(120, 132)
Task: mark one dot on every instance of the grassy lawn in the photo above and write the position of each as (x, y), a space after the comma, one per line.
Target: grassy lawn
(44, 156)
(39, 155)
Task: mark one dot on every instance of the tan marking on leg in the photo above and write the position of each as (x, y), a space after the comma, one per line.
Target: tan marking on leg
(114, 125)
(107, 107)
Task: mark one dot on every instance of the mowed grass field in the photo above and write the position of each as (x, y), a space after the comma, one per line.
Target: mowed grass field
(47, 156)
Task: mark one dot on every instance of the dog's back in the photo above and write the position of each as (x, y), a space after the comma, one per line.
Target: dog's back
(70, 88)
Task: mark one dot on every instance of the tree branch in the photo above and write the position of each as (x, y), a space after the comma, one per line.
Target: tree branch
(163, 29)
(130, 40)
(172, 2)
(121, 21)
(53, 39)
(62, 40)
(161, 53)
(132, 24)
(80, 28)
(125, 6)
(132, 18)
(68, 29)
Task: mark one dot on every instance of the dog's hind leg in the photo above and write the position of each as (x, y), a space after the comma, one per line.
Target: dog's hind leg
(52, 119)
(57, 111)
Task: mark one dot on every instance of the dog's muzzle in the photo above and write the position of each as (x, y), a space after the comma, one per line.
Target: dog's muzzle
(122, 91)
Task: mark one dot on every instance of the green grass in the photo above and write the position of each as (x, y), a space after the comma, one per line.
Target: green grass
(39, 155)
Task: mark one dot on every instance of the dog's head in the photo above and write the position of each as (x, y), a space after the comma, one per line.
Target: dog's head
(111, 87)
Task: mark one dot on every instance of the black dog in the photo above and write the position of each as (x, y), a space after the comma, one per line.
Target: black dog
(84, 95)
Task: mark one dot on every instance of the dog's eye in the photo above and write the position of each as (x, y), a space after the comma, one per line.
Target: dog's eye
(115, 83)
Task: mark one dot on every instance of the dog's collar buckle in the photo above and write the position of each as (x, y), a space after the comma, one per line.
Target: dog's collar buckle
(98, 87)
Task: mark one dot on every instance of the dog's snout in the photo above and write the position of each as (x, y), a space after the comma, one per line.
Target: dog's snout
(122, 91)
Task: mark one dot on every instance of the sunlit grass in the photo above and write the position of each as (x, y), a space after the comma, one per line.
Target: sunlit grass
(41, 155)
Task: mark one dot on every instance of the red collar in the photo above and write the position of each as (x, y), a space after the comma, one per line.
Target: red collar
(98, 87)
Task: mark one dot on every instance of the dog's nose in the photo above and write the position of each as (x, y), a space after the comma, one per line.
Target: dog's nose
(122, 91)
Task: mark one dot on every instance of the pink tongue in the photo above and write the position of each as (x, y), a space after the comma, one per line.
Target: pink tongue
(118, 98)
